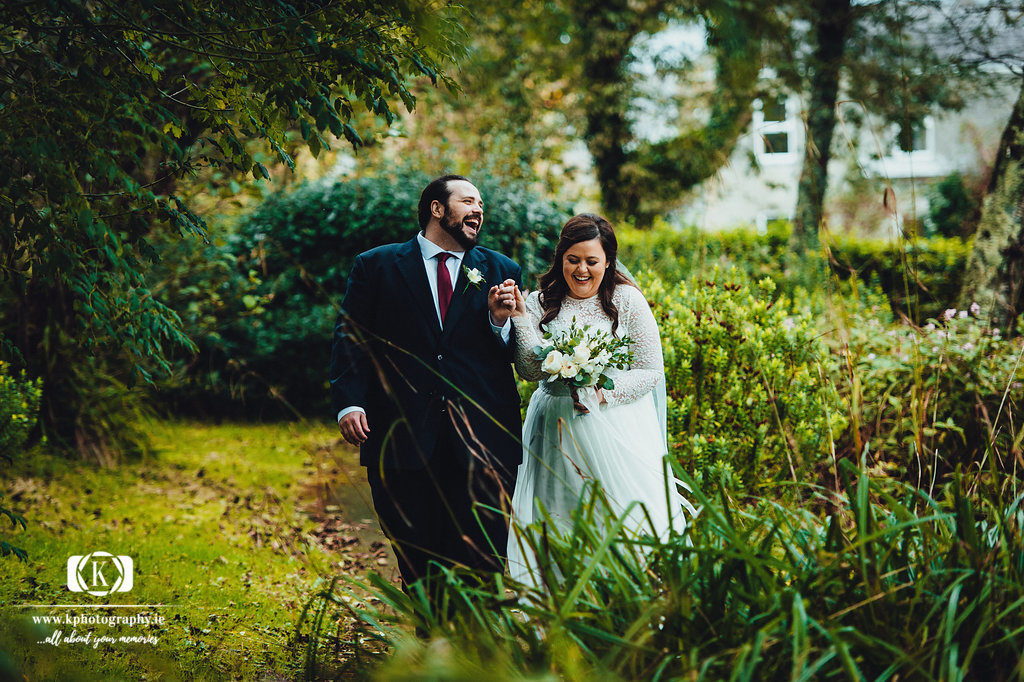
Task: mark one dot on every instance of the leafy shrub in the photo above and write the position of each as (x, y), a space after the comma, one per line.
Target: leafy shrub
(929, 270)
(214, 299)
(749, 400)
(678, 254)
(952, 206)
(19, 409)
(262, 311)
(933, 398)
(921, 277)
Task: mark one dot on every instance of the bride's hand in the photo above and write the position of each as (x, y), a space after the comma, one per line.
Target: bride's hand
(601, 400)
(520, 301)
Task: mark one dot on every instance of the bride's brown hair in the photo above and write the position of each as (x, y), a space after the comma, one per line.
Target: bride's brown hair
(553, 287)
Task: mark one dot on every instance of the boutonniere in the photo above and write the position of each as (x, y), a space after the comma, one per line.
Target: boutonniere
(473, 276)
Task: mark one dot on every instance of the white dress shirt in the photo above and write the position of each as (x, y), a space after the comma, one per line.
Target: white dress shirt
(429, 251)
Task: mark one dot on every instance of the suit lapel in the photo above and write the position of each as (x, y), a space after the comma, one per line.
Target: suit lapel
(410, 266)
(463, 291)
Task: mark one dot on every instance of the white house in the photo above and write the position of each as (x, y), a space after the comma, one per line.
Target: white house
(759, 183)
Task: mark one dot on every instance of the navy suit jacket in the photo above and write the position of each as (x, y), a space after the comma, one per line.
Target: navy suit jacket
(391, 357)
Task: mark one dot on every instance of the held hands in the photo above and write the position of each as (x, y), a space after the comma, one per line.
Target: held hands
(354, 428)
(505, 300)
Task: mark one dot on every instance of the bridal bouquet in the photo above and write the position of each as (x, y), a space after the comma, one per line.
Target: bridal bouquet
(579, 356)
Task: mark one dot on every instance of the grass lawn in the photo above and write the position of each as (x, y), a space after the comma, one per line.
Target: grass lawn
(228, 526)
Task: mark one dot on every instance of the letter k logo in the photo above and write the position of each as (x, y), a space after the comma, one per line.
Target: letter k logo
(97, 573)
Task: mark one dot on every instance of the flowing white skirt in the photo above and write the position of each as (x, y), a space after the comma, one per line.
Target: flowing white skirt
(620, 447)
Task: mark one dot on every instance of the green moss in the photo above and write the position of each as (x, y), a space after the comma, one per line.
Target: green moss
(216, 524)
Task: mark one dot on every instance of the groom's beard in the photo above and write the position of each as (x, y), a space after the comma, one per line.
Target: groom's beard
(458, 231)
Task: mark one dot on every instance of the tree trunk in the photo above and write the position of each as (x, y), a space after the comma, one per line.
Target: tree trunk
(606, 33)
(833, 22)
(640, 179)
(994, 278)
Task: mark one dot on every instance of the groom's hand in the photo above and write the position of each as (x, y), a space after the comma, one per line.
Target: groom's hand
(354, 428)
(501, 300)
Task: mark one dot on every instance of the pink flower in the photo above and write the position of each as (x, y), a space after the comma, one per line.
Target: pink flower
(975, 308)
(949, 314)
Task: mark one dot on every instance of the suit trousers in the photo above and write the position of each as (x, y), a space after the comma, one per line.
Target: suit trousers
(444, 512)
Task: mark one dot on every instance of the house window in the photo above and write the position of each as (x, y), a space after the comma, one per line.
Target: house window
(776, 126)
(912, 137)
(776, 143)
(773, 110)
(911, 152)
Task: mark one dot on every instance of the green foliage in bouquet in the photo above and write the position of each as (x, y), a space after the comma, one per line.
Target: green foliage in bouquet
(749, 400)
(579, 356)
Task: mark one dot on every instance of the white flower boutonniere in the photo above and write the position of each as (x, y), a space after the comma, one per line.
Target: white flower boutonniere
(473, 276)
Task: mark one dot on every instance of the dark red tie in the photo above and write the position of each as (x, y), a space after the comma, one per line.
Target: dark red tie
(444, 284)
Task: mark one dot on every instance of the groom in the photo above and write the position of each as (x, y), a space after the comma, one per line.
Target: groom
(421, 381)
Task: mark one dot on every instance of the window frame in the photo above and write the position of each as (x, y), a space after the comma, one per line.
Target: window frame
(790, 126)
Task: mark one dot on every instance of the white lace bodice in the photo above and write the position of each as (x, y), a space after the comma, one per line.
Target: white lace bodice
(635, 321)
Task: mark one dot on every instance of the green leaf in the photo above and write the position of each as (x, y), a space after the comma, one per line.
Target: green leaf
(352, 136)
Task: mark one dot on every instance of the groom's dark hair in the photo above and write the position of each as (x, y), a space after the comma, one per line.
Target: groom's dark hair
(437, 190)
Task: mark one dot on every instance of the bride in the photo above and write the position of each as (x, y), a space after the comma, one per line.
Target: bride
(613, 437)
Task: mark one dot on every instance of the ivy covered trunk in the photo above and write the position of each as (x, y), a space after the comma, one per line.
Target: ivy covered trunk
(834, 20)
(640, 179)
(995, 268)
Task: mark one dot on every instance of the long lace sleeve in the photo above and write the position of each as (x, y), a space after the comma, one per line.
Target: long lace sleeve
(527, 331)
(637, 322)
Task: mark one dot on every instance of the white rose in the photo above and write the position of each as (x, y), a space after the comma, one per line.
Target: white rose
(552, 363)
(603, 357)
(474, 276)
(569, 369)
(582, 353)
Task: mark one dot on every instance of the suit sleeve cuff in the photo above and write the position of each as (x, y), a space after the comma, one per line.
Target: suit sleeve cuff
(354, 408)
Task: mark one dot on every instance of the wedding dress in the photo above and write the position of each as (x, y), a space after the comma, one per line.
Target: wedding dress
(621, 444)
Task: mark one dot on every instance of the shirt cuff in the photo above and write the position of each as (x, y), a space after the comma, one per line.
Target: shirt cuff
(503, 332)
(354, 408)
